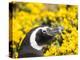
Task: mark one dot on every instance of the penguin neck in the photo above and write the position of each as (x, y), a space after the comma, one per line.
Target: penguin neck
(33, 42)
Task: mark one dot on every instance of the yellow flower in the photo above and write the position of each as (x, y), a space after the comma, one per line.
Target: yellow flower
(16, 35)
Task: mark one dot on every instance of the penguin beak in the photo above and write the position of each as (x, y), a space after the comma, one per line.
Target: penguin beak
(53, 32)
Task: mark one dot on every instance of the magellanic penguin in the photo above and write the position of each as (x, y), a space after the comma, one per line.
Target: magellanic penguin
(36, 40)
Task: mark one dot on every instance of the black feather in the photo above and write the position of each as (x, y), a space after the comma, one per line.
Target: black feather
(26, 50)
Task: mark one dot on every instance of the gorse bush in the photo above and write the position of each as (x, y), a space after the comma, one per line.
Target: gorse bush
(26, 16)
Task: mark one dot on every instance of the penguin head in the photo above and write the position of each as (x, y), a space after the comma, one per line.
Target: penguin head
(42, 35)
(46, 34)
(46, 30)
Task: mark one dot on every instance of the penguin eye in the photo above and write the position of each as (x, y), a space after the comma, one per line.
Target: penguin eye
(44, 31)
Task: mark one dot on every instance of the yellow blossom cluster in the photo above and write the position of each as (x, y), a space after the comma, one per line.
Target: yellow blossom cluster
(26, 16)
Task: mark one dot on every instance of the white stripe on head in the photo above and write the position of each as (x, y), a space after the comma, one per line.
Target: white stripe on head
(33, 37)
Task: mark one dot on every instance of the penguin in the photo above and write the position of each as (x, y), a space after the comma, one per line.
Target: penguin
(36, 39)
